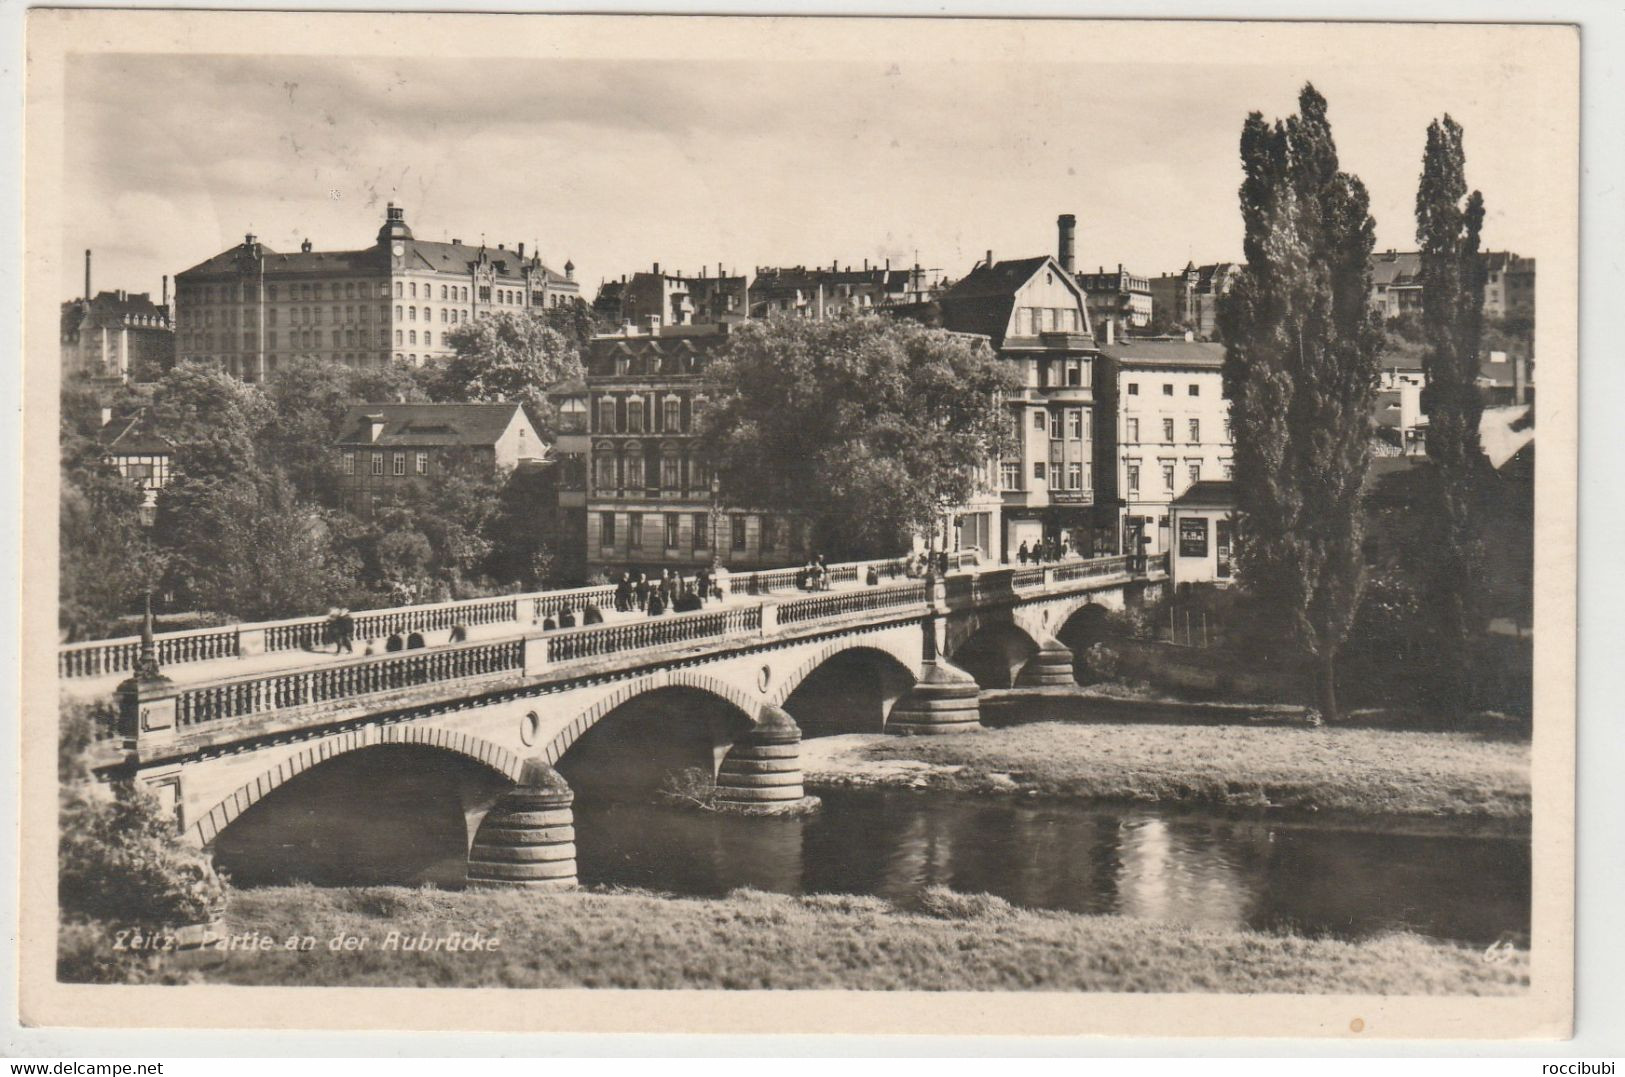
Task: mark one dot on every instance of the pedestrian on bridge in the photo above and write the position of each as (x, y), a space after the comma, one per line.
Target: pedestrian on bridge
(591, 615)
(623, 594)
(1023, 553)
(344, 633)
(641, 590)
(702, 585)
(657, 605)
(567, 617)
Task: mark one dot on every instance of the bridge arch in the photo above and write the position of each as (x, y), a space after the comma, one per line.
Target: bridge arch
(906, 654)
(850, 685)
(494, 757)
(625, 693)
(994, 649)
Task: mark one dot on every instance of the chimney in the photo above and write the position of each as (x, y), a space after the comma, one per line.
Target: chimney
(166, 289)
(521, 252)
(990, 256)
(87, 274)
(1067, 225)
(657, 269)
(376, 423)
(456, 242)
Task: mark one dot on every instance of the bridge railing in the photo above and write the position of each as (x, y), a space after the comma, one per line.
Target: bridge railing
(599, 640)
(98, 657)
(248, 696)
(839, 605)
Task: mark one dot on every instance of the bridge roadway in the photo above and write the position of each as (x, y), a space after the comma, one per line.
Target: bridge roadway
(738, 681)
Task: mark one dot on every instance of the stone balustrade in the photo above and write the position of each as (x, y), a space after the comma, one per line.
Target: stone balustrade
(597, 641)
(99, 657)
(820, 607)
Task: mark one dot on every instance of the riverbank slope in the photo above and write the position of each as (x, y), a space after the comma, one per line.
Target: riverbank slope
(750, 939)
(1375, 772)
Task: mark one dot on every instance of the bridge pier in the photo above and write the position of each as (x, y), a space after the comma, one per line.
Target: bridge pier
(945, 699)
(1052, 665)
(528, 839)
(761, 774)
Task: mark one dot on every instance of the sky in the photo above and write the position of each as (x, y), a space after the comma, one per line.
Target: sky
(619, 163)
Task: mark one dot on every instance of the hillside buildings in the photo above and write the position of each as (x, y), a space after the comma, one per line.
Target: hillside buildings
(1396, 284)
(251, 308)
(816, 292)
(1118, 297)
(385, 448)
(133, 446)
(112, 335)
(1189, 300)
(656, 299)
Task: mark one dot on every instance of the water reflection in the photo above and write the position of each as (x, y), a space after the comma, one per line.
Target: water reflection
(1206, 870)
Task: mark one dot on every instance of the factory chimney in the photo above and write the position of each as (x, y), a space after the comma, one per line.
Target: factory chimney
(1067, 225)
(87, 274)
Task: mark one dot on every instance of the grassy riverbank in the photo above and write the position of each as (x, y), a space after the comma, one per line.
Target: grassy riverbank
(751, 939)
(1379, 772)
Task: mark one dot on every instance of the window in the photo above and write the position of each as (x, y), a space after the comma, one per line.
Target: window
(674, 530)
(1194, 390)
(423, 463)
(413, 290)
(702, 531)
(1194, 469)
(1055, 424)
(428, 314)
(1196, 430)
(606, 472)
(1227, 469)
(443, 314)
(737, 523)
(428, 338)
(673, 414)
(1168, 389)
(1074, 475)
(1133, 434)
(411, 314)
(412, 336)
(1010, 475)
(606, 415)
(634, 531)
(1227, 434)
(399, 310)
(349, 462)
(1074, 374)
(398, 287)
(1134, 479)
(377, 463)
(606, 528)
(1074, 423)
(1038, 470)
(671, 472)
(634, 471)
(1038, 420)
(1133, 388)
(1168, 477)
(634, 415)
(270, 292)
(400, 464)
(485, 293)
(1167, 430)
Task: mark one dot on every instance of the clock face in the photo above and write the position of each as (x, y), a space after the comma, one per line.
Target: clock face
(400, 249)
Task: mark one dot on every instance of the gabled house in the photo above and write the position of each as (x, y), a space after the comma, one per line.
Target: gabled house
(384, 447)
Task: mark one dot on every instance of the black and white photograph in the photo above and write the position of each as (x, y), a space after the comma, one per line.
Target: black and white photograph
(1041, 514)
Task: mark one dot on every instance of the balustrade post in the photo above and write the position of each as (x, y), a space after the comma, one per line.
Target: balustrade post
(1049, 577)
(250, 641)
(770, 618)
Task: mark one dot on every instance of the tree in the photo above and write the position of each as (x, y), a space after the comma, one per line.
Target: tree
(868, 427)
(1448, 224)
(1300, 373)
(104, 562)
(453, 513)
(506, 356)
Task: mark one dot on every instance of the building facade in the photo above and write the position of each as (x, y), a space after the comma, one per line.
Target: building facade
(1188, 301)
(251, 308)
(1509, 285)
(131, 444)
(116, 334)
(651, 500)
(1396, 284)
(1117, 296)
(1035, 314)
(387, 449)
(1168, 429)
(657, 299)
(819, 292)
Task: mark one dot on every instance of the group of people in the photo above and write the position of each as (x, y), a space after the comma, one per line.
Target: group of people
(1049, 549)
(671, 591)
(339, 630)
(815, 576)
(590, 615)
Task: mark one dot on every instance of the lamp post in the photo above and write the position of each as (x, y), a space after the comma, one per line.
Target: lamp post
(718, 573)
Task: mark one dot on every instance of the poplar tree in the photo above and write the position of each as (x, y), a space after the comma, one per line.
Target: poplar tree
(1448, 224)
(1300, 373)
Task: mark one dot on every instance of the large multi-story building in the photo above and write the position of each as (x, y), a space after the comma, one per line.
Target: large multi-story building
(384, 449)
(1188, 301)
(112, 335)
(1117, 296)
(1167, 428)
(251, 308)
(1509, 285)
(1396, 284)
(651, 501)
(1035, 314)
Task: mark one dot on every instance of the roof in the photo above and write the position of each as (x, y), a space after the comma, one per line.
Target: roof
(1166, 353)
(419, 254)
(114, 310)
(471, 425)
(981, 302)
(132, 435)
(1208, 492)
(1395, 267)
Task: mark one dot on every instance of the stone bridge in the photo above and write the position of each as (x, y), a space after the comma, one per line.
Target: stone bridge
(527, 718)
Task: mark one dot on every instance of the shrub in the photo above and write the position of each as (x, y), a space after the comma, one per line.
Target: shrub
(691, 785)
(946, 904)
(120, 861)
